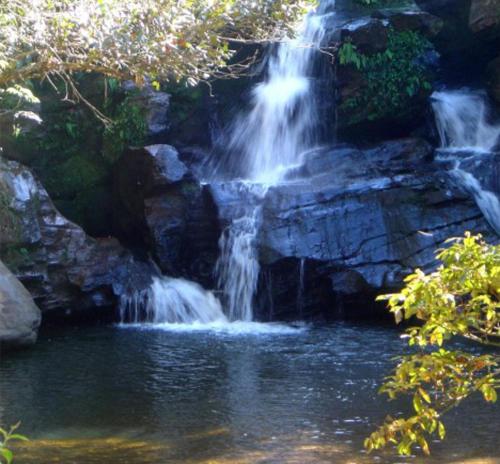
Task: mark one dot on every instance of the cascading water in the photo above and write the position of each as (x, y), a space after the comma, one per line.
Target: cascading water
(281, 124)
(282, 121)
(465, 130)
(237, 268)
(172, 301)
(462, 119)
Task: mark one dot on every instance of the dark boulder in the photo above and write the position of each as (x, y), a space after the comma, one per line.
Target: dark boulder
(162, 207)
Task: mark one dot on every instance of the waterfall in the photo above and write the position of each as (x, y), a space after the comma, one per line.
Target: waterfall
(282, 121)
(462, 119)
(263, 142)
(463, 122)
(171, 301)
(237, 268)
(281, 124)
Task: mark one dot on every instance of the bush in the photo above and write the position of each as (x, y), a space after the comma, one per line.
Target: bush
(390, 78)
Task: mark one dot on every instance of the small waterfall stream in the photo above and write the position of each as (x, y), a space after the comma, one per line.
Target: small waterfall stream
(465, 130)
(171, 301)
(462, 119)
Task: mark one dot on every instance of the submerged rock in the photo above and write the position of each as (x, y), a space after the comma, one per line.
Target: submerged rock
(66, 271)
(19, 315)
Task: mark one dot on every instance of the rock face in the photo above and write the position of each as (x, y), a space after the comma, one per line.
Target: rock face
(156, 107)
(484, 17)
(493, 79)
(19, 316)
(66, 272)
(161, 205)
(352, 223)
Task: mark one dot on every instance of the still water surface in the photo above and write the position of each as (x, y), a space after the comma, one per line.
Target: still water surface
(113, 395)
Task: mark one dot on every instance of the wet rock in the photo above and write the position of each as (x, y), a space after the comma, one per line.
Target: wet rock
(419, 21)
(368, 35)
(484, 17)
(19, 315)
(493, 79)
(66, 271)
(163, 207)
(360, 225)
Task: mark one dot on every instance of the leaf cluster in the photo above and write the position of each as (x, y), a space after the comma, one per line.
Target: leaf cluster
(461, 298)
(392, 77)
(134, 39)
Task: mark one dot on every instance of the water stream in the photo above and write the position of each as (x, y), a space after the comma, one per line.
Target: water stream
(466, 130)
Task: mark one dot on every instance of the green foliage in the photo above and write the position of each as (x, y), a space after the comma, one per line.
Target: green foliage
(184, 100)
(391, 78)
(17, 97)
(6, 438)
(128, 128)
(461, 298)
(348, 54)
(134, 39)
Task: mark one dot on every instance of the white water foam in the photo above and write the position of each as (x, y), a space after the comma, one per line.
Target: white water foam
(224, 328)
(172, 301)
(178, 305)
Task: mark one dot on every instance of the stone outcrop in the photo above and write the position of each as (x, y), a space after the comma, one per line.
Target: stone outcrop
(484, 17)
(19, 315)
(352, 223)
(66, 271)
(162, 206)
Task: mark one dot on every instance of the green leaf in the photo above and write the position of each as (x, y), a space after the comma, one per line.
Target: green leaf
(7, 454)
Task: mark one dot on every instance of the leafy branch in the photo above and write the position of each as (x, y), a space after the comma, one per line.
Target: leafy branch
(461, 298)
(6, 438)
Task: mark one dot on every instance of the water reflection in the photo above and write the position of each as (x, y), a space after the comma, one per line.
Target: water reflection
(109, 395)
